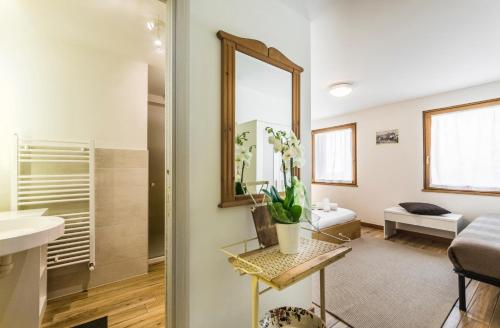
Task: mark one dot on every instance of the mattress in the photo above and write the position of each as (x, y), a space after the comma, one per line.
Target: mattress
(477, 247)
(322, 219)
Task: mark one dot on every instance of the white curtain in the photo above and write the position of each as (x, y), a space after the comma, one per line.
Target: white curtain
(333, 156)
(465, 149)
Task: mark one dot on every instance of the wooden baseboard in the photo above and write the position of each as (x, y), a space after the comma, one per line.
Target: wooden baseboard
(156, 260)
(371, 225)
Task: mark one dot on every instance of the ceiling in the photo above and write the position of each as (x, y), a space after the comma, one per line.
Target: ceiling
(310, 9)
(115, 26)
(395, 50)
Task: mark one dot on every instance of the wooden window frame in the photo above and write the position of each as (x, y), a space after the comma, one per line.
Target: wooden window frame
(427, 120)
(353, 127)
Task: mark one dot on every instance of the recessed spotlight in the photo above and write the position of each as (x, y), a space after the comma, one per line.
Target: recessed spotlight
(341, 89)
(158, 43)
(150, 25)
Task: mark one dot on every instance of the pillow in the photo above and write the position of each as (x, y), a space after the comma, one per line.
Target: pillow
(424, 208)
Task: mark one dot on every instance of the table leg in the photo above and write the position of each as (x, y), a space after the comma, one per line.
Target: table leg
(322, 294)
(389, 228)
(255, 302)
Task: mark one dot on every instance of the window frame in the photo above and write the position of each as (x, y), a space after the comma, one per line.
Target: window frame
(353, 127)
(426, 123)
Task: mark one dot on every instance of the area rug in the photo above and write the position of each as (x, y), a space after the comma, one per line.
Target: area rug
(98, 323)
(382, 284)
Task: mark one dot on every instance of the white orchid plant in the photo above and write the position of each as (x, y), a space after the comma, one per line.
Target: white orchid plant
(243, 158)
(288, 210)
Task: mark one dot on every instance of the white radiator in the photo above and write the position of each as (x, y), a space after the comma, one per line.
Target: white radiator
(59, 176)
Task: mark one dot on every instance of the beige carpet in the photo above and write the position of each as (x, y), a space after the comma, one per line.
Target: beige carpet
(381, 284)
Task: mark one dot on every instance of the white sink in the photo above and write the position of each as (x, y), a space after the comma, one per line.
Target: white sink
(23, 233)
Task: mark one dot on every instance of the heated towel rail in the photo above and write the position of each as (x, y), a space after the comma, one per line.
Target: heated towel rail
(59, 176)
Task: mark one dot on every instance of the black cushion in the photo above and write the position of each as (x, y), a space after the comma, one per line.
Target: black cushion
(424, 208)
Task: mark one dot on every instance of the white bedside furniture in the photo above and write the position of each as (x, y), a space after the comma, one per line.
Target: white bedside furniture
(396, 214)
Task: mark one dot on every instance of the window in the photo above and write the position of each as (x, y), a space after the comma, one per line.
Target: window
(334, 155)
(462, 148)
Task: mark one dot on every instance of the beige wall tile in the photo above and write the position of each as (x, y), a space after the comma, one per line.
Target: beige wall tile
(136, 177)
(103, 274)
(121, 224)
(104, 216)
(130, 158)
(104, 158)
(104, 209)
(104, 178)
(130, 268)
(122, 249)
(67, 280)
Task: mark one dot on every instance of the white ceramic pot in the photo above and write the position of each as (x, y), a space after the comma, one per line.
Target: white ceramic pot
(288, 237)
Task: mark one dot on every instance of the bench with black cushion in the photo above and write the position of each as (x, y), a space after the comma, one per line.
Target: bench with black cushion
(475, 253)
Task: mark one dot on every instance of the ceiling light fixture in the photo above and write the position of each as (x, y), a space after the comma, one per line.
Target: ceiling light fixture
(156, 26)
(341, 89)
(150, 25)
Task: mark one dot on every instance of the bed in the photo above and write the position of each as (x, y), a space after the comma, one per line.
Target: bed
(339, 222)
(475, 253)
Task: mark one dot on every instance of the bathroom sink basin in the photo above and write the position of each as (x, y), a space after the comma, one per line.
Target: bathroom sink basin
(23, 233)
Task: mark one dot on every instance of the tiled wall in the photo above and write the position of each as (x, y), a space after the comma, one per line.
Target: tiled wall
(121, 178)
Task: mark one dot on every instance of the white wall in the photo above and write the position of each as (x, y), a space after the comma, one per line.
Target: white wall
(218, 296)
(253, 104)
(393, 173)
(57, 89)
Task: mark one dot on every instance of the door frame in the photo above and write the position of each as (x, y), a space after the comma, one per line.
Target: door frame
(177, 165)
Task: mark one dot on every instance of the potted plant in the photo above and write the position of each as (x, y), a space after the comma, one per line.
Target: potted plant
(243, 158)
(287, 209)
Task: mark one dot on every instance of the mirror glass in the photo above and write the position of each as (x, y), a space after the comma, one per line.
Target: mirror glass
(263, 99)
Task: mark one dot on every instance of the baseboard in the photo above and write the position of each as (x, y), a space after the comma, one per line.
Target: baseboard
(371, 225)
(53, 298)
(156, 260)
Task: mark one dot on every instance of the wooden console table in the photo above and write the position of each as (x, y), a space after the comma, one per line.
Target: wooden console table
(280, 271)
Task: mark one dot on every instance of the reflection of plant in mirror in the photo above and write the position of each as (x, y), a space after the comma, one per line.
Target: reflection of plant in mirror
(243, 158)
(286, 210)
(289, 147)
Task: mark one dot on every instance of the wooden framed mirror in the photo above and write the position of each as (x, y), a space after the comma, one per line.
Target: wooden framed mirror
(260, 89)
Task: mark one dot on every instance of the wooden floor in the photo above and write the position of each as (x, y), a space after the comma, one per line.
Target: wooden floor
(139, 302)
(135, 302)
(483, 304)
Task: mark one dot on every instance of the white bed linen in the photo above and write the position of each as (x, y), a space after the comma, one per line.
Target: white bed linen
(322, 219)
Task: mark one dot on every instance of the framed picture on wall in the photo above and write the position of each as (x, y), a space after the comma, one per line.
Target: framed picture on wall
(388, 137)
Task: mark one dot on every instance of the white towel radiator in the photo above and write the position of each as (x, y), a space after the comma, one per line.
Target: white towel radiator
(59, 176)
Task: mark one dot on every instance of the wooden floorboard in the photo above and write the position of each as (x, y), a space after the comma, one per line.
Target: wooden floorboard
(136, 302)
(495, 319)
(139, 301)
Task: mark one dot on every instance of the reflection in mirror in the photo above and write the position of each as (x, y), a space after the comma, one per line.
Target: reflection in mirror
(263, 99)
